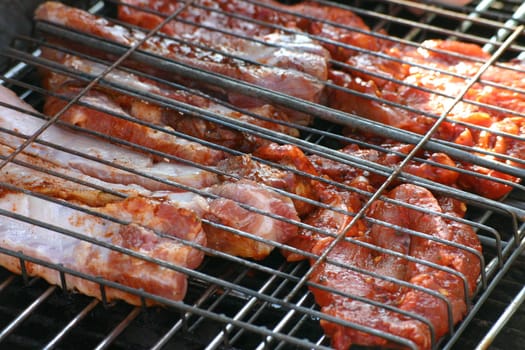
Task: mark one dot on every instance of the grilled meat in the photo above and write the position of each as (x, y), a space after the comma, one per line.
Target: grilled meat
(106, 117)
(278, 173)
(214, 19)
(413, 263)
(241, 218)
(23, 124)
(269, 46)
(144, 111)
(291, 82)
(137, 236)
(391, 155)
(41, 176)
(234, 208)
(324, 222)
(442, 67)
(399, 304)
(215, 14)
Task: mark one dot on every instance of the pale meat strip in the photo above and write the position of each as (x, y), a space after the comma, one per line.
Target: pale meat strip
(104, 117)
(291, 82)
(97, 261)
(228, 210)
(163, 117)
(37, 175)
(246, 209)
(268, 46)
(26, 124)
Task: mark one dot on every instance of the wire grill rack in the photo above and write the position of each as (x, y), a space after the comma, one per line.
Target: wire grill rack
(234, 302)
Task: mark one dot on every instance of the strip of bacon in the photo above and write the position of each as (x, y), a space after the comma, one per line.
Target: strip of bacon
(37, 175)
(236, 205)
(246, 209)
(274, 48)
(149, 112)
(228, 210)
(104, 118)
(291, 82)
(94, 260)
(27, 124)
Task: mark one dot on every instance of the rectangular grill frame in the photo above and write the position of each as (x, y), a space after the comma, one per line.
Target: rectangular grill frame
(505, 256)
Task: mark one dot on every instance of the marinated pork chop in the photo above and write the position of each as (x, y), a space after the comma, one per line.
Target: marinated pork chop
(263, 45)
(390, 155)
(216, 14)
(355, 284)
(443, 68)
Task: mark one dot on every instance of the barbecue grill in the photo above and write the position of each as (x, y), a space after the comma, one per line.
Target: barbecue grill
(238, 303)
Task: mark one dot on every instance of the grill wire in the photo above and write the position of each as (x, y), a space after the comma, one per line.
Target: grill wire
(239, 303)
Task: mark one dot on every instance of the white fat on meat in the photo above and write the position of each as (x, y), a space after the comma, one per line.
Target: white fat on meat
(292, 82)
(97, 261)
(288, 51)
(27, 124)
(227, 209)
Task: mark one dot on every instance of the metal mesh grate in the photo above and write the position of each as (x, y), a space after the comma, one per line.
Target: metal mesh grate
(234, 302)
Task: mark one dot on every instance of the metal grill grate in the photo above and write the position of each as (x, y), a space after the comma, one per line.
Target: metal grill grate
(234, 302)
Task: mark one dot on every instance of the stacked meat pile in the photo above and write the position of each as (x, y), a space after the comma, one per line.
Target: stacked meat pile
(404, 265)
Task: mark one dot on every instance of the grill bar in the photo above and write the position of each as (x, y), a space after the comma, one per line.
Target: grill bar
(222, 336)
(481, 7)
(190, 309)
(72, 324)
(286, 319)
(183, 322)
(26, 313)
(482, 298)
(119, 329)
(514, 305)
(283, 323)
(510, 25)
(6, 282)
